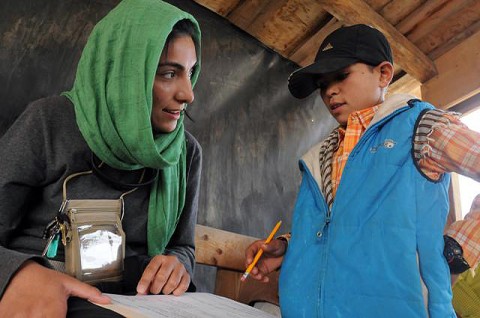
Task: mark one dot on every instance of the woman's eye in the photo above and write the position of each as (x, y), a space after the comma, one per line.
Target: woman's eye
(168, 74)
(192, 71)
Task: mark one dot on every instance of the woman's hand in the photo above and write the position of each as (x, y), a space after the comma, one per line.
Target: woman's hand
(37, 291)
(164, 274)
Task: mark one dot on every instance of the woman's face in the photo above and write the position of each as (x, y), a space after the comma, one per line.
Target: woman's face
(172, 88)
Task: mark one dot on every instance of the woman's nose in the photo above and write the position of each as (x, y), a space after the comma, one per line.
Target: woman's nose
(185, 93)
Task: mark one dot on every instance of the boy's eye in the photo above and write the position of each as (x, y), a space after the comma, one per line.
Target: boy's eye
(342, 76)
(322, 84)
(325, 81)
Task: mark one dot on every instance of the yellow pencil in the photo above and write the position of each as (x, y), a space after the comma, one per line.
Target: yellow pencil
(260, 252)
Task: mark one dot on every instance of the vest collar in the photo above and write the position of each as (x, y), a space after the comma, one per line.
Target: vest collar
(390, 105)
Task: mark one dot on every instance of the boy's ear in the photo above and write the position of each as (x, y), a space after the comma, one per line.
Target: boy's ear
(386, 73)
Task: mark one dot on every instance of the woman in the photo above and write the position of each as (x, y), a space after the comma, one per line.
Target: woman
(123, 119)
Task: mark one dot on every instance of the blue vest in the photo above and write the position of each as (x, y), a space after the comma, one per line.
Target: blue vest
(360, 260)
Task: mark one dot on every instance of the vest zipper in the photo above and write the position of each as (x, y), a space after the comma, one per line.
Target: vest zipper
(320, 202)
(324, 238)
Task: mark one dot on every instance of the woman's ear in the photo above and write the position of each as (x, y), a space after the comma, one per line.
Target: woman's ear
(386, 73)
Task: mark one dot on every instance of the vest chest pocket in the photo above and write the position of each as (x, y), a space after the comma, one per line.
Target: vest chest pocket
(389, 152)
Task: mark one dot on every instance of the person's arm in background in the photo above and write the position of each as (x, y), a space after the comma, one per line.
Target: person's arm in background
(465, 286)
(27, 286)
(176, 267)
(466, 233)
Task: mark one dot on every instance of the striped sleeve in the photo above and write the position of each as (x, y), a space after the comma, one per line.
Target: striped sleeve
(442, 143)
(326, 154)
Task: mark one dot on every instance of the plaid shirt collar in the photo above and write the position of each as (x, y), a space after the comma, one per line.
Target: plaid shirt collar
(359, 119)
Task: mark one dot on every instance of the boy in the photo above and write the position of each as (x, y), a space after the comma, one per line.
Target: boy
(369, 216)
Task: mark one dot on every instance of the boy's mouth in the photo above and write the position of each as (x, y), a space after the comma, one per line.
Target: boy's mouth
(336, 105)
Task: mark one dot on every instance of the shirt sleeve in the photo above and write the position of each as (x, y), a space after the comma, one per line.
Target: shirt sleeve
(444, 144)
(467, 233)
(21, 159)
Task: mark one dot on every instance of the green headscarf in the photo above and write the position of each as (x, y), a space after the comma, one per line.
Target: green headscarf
(112, 95)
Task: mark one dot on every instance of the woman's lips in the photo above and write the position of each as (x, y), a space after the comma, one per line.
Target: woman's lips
(174, 114)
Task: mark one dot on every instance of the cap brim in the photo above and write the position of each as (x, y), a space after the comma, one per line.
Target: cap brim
(302, 82)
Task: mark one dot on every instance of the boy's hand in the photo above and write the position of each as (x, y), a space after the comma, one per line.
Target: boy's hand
(270, 261)
(37, 291)
(164, 274)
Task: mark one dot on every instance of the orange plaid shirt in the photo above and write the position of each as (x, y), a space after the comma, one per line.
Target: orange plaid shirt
(348, 137)
(451, 148)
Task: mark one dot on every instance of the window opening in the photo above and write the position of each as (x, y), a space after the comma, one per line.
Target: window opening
(469, 188)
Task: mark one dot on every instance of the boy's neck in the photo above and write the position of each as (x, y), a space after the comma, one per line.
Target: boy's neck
(364, 115)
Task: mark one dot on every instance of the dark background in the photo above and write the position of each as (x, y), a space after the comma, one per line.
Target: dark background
(251, 130)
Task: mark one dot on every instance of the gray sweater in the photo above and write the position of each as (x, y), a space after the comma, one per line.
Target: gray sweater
(37, 153)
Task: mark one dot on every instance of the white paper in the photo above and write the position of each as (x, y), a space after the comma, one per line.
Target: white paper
(189, 305)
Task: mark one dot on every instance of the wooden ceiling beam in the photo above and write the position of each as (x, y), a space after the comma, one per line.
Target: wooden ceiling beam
(377, 4)
(430, 16)
(250, 12)
(459, 22)
(410, 23)
(286, 24)
(223, 7)
(305, 54)
(454, 41)
(397, 10)
(406, 54)
(458, 75)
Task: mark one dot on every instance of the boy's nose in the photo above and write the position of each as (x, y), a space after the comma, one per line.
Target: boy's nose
(331, 90)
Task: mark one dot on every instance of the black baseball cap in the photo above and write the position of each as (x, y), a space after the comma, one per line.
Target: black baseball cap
(341, 48)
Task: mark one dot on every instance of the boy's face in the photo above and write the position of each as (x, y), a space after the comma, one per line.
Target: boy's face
(353, 88)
